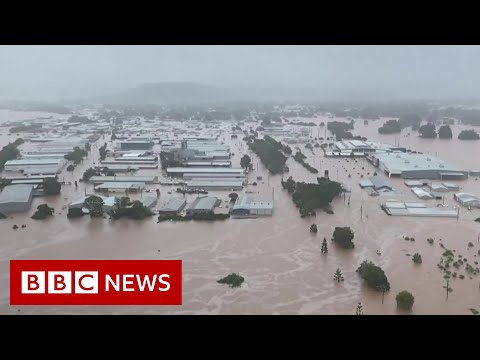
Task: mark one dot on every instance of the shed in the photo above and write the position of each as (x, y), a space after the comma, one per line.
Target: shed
(173, 206)
(16, 198)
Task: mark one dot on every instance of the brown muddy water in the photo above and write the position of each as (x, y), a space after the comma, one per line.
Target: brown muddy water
(284, 270)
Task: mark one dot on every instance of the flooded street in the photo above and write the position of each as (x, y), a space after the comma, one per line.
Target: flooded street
(284, 270)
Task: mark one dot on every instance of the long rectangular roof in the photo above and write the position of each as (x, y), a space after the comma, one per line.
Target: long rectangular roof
(174, 204)
(216, 182)
(204, 203)
(205, 170)
(408, 162)
(105, 179)
(121, 185)
(34, 162)
(16, 193)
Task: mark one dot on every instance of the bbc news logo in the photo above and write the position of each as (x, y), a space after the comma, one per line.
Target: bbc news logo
(95, 282)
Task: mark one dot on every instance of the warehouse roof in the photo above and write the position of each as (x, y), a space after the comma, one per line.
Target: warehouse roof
(121, 185)
(16, 193)
(216, 182)
(204, 203)
(408, 162)
(246, 202)
(174, 204)
(34, 162)
(205, 170)
(105, 179)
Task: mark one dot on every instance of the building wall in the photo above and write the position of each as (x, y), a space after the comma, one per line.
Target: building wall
(261, 211)
(14, 207)
(135, 146)
(215, 187)
(198, 211)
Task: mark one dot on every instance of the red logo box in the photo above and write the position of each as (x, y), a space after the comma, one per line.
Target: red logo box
(95, 282)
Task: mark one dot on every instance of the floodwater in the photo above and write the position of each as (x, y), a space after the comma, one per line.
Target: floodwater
(284, 270)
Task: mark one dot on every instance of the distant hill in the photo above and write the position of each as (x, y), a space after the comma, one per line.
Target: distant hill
(194, 93)
(168, 93)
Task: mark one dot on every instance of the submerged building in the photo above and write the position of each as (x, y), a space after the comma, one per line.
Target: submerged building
(246, 206)
(173, 206)
(16, 198)
(203, 204)
(348, 147)
(467, 199)
(416, 166)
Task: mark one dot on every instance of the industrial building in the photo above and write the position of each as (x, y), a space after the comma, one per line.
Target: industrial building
(416, 166)
(190, 176)
(149, 201)
(214, 184)
(348, 147)
(134, 145)
(120, 168)
(245, 206)
(108, 203)
(179, 171)
(203, 204)
(30, 164)
(16, 198)
(139, 164)
(467, 199)
(208, 163)
(422, 194)
(129, 157)
(173, 206)
(130, 187)
(124, 179)
(376, 182)
(415, 183)
(396, 208)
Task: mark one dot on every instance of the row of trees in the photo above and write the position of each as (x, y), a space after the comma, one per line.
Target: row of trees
(269, 152)
(77, 155)
(9, 152)
(300, 158)
(428, 131)
(308, 197)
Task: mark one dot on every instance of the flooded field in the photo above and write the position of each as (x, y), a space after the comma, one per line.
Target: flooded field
(284, 270)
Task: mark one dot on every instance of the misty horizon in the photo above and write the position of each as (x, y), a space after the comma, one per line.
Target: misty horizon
(53, 73)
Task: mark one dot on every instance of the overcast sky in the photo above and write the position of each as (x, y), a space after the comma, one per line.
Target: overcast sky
(392, 71)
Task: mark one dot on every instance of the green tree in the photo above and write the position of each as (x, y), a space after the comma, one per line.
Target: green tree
(75, 212)
(468, 135)
(374, 276)
(338, 276)
(390, 127)
(233, 280)
(324, 246)
(103, 152)
(427, 131)
(88, 147)
(43, 211)
(51, 186)
(445, 132)
(359, 309)
(313, 229)
(417, 258)
(89, 173)
(405, 300)
(76, 155)
(233, 196)
(245, 161)
(4, 182)
(343, 237)
(94, 204)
